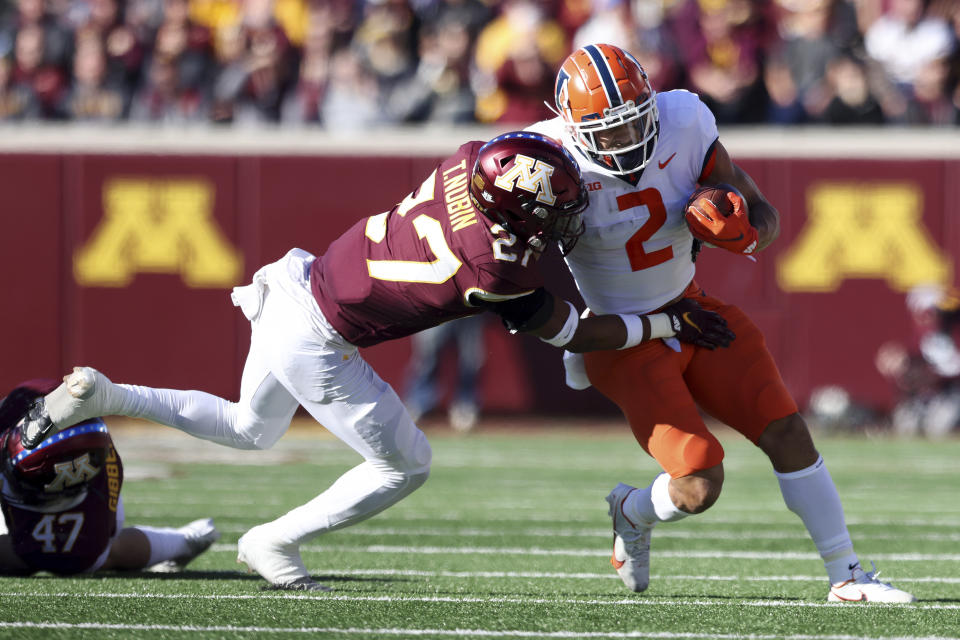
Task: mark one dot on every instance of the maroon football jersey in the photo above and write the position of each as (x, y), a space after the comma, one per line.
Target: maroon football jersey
(69, 541)
(426, 261)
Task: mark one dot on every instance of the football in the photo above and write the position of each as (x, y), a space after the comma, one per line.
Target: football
(715, 193)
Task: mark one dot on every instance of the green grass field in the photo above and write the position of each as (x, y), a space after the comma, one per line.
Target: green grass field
(510, 539)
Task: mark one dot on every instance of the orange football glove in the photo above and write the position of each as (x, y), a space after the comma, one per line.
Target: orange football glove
(733, 232)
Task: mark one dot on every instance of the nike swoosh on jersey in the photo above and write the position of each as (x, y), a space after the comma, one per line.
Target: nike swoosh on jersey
(663, 165)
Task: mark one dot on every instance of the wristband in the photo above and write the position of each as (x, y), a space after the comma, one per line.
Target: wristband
(660, 326)
(638, 327)
(569, 328)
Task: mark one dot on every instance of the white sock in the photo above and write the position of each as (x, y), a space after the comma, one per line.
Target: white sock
(360, 493)
(195, 412)
(653, 504)
(811, 494)
(198, 413)
(202, 415)
(165, 543)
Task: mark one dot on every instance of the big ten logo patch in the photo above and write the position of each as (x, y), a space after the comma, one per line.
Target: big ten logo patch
(863, 231)
(158, 226)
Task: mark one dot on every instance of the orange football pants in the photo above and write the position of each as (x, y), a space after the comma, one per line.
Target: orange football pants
(659, 390)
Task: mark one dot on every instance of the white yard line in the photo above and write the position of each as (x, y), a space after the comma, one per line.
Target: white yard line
(536, 551)
(485, 633)
(730, 517)
(608, 575)
(497, 600)
(661, 533)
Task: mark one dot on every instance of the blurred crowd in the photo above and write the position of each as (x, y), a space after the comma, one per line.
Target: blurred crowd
(357, 64)
(925, 368)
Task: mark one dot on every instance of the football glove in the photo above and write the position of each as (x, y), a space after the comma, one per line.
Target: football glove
(694, 324)
(733, 232)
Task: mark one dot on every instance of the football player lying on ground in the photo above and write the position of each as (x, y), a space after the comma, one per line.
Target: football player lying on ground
(62, 504)
(467, 240)
(645, 153)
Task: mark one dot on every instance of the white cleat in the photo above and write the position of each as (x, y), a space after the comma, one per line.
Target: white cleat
(278, 564)
(631, 542)
(199, 535)
(86, 393)
(864, 587)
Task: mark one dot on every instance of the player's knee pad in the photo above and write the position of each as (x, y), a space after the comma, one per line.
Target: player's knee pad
(417, 480)
(413, 454)
(399, 479)
(410, 467)
(681, 453)
(417, 460)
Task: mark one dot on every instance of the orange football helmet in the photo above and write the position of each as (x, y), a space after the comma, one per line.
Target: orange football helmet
(609, 107)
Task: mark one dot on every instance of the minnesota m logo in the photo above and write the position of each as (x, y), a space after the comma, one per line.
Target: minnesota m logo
(530, 175)
(71, 472)
(158, 226)
(863, 231)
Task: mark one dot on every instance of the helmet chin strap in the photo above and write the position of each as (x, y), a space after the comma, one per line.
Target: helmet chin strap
(635, 157)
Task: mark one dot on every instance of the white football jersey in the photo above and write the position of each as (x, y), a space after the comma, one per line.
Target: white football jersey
(635, 253)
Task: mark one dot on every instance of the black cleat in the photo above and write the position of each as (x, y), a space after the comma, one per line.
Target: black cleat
(36, 425)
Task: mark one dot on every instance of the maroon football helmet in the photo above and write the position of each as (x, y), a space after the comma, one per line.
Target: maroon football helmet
(531, 186)
(60, 466)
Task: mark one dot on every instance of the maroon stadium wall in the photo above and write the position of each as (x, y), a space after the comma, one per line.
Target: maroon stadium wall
(125, 262)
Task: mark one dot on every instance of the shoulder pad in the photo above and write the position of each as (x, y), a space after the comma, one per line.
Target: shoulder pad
(552, 128)
(682, 110)
(678, 108)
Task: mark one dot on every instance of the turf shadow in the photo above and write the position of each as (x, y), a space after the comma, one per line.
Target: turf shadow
(725, 598)
(359, 579)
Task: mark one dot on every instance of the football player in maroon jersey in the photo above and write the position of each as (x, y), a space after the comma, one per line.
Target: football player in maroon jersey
(62, 505)
(465, 241)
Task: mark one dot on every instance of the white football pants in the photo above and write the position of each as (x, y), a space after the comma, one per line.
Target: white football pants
(297, 358)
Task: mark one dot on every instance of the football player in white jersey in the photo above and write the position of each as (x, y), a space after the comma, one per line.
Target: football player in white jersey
(643, 154)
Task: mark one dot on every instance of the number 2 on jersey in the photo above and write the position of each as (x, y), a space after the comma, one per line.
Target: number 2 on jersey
(639, 257)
